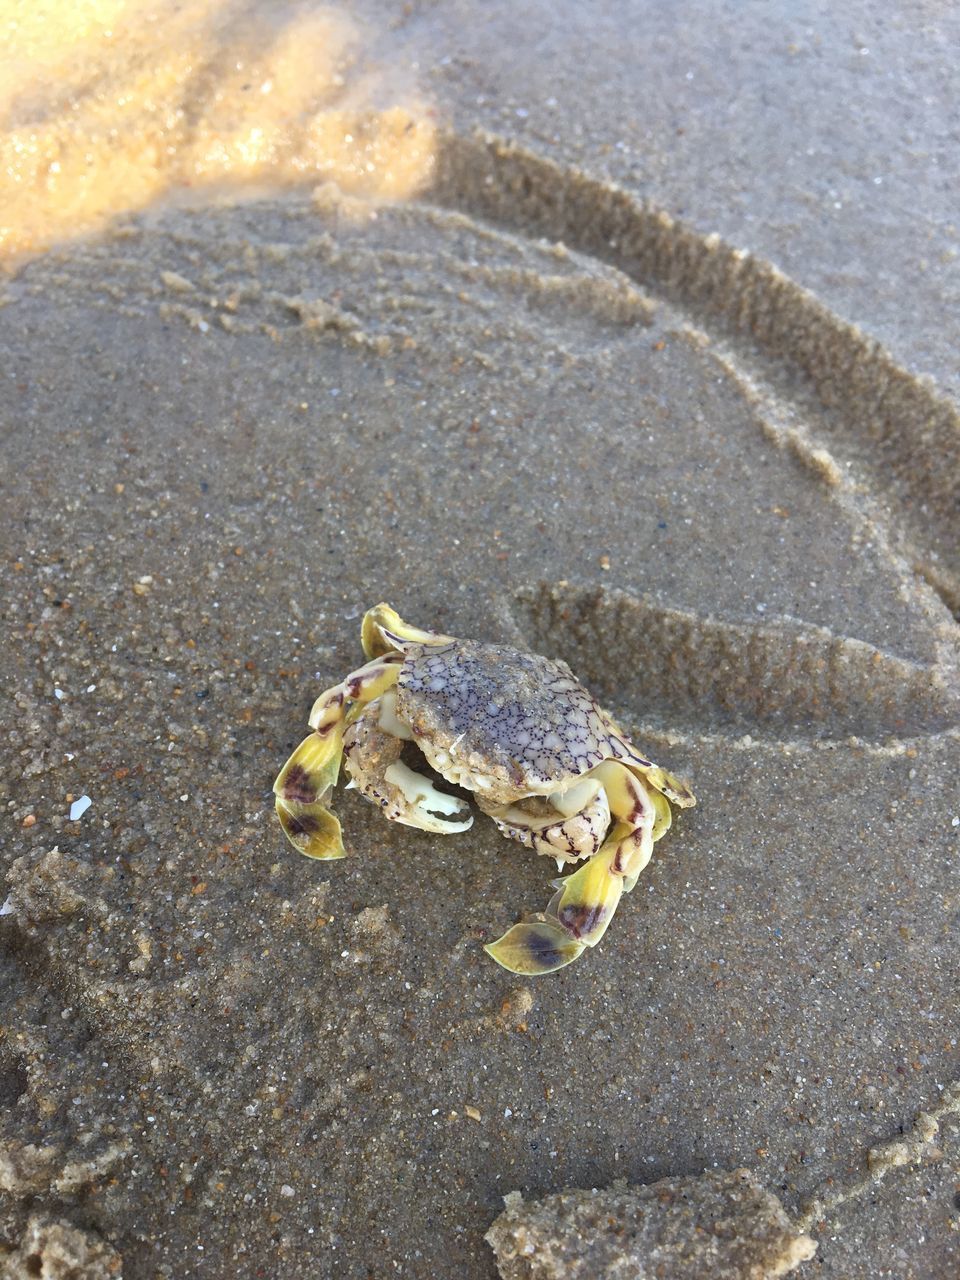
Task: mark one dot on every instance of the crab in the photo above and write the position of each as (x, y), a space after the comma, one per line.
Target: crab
(551, 768)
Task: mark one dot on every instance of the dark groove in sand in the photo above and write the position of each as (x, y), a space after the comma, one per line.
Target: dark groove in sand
(902, 432)
(774, 680)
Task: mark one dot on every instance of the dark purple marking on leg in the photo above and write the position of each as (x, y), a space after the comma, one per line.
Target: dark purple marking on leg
(579, 918)
(543, 953)
(298, 786)
(303, 824)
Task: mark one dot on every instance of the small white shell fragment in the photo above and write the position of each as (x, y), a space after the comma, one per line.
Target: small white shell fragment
(79, 808)
(8, 908)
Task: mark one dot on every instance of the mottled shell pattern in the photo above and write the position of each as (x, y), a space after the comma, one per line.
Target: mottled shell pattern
(501, 722)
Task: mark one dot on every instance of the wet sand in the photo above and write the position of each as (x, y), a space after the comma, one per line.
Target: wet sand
(542, 403)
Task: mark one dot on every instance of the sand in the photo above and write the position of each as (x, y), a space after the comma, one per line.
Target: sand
(619, 382)
(718, 1224)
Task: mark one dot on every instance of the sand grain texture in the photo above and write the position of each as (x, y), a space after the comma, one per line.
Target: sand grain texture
(721, 1225)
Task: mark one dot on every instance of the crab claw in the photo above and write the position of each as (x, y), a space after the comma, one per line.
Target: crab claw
(303, 785)
(424, 802)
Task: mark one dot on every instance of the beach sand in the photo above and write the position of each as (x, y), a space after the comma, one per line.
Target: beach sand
(651, 367)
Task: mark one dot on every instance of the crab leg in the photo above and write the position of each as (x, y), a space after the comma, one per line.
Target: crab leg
(306, 780)
(578, 915)
(384, 630)
(654, 776)
(570, 827)
(363, 685)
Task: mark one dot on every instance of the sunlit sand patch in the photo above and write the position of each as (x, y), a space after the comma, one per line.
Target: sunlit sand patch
(109, 105)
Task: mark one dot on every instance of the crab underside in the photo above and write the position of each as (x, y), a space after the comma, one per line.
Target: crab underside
(540, 757)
